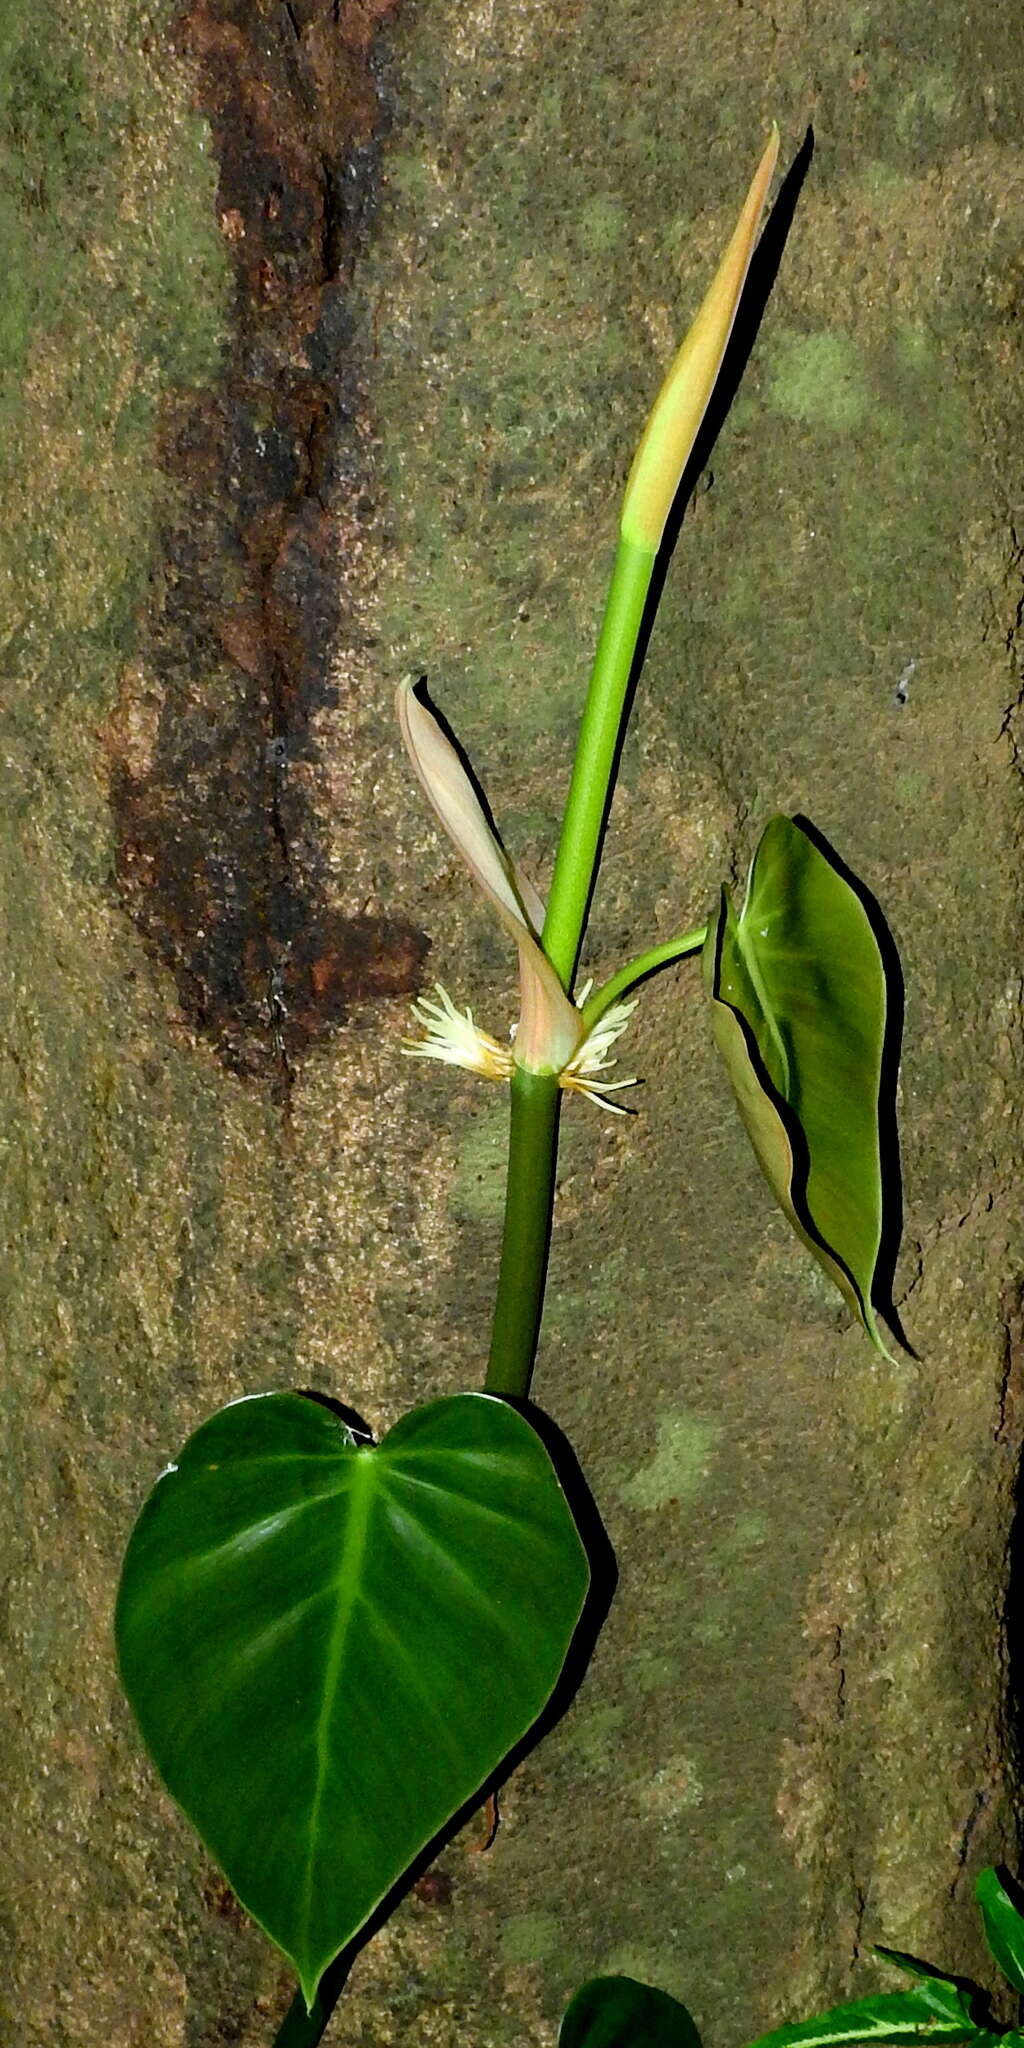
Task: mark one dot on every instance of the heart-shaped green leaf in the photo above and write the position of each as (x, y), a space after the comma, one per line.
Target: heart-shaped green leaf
(331, 1647)
(807, 1006)
(1004, 1927)
(617, 2012)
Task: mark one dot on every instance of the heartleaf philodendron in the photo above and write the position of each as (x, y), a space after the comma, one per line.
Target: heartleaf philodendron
(330, 1647)
(806, 1008)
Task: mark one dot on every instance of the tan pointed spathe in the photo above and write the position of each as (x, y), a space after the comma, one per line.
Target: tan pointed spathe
(679, 408)
(550, 1037)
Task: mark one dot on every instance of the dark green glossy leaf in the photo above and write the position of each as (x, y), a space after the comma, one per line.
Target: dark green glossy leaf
(331, 1647)
(1004, 1927)
(935, 2011)
(617, 2012)
(807, 1008)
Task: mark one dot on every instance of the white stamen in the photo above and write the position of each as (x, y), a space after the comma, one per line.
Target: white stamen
(451, 1035)
(549, 1024)
(591, 1060)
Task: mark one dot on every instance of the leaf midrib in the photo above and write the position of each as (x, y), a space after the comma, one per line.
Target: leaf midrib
(751, 962)
(881, 2031)
(355, 1534)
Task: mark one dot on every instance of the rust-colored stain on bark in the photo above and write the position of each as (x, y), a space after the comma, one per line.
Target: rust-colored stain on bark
(216, 837)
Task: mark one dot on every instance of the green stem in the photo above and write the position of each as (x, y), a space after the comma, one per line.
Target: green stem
(529, 1200)
(533, 1141)
(638, 970)
(302, 2029)
(578, 847)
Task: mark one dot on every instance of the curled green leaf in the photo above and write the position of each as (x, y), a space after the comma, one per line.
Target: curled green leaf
(807, 1001)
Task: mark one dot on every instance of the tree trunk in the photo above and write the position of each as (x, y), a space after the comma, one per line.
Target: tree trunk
(328, 332)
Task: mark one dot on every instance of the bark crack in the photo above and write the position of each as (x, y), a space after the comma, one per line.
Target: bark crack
(982, 1801)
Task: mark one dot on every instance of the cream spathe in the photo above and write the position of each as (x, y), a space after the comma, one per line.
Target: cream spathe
(550, 1037)
(679, 408)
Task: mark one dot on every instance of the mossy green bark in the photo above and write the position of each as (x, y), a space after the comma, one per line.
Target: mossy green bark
(811, 1616)
(792, 1741)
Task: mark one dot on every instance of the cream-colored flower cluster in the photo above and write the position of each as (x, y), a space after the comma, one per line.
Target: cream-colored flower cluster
(551, 1036)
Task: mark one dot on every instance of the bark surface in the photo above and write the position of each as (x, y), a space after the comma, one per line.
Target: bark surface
(328, 330)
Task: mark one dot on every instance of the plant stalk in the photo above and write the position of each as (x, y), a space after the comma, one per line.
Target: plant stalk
(302, 2029)
(529, 1201)
(533, 1139)
(596, 749)
(638, 970)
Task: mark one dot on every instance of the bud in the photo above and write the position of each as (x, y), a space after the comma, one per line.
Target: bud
(681, 403)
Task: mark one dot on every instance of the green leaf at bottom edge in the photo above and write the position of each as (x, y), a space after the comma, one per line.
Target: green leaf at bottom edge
(1004, 1927)
(908, 2016)
(331, 1647)
(617, 2012)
